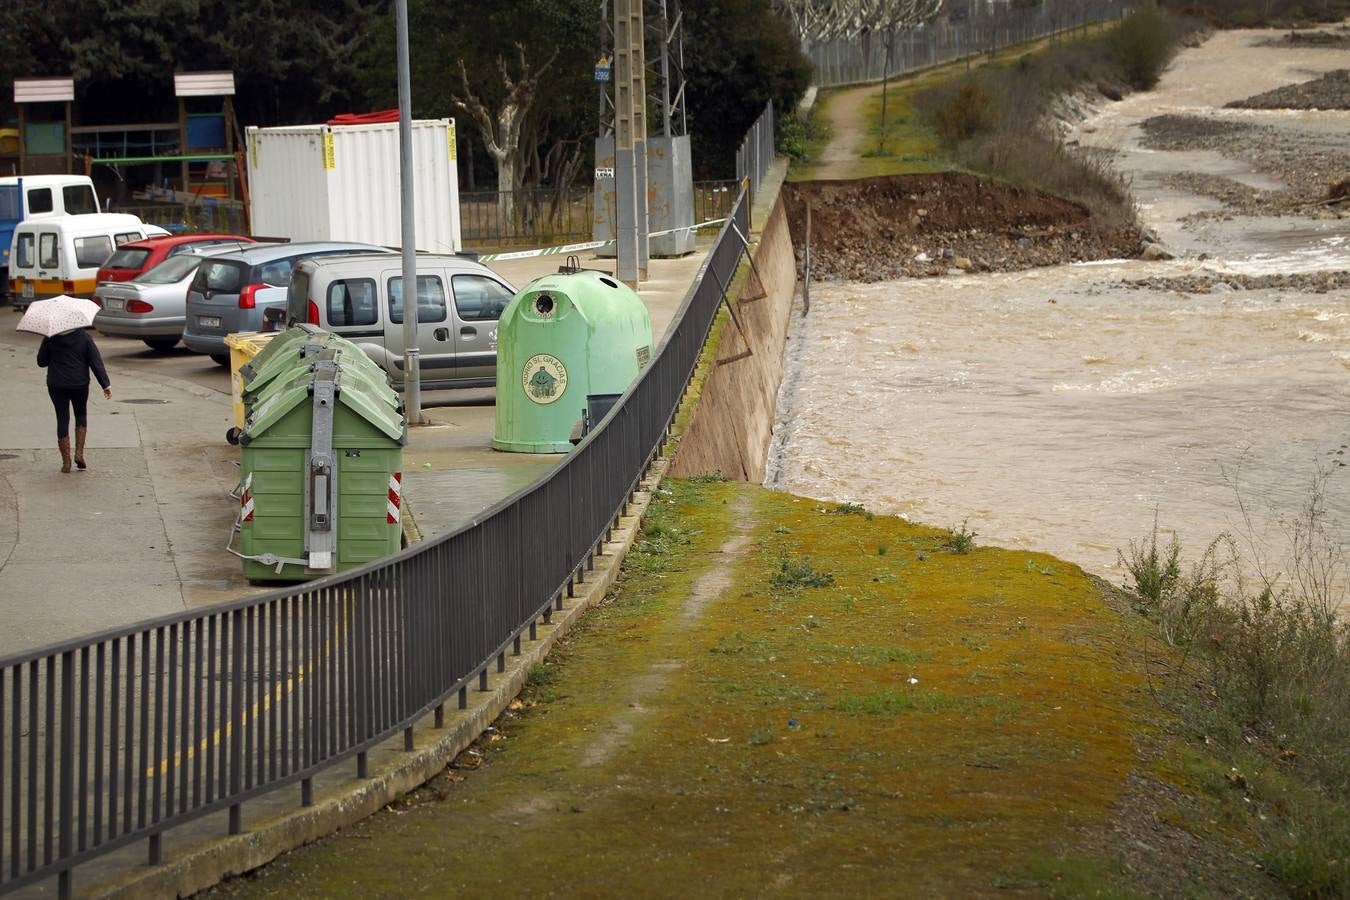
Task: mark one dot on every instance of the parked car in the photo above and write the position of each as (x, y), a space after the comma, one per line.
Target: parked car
(153, 306)
(135, 257)
(230, 293)
(62, 255)
(361, 298)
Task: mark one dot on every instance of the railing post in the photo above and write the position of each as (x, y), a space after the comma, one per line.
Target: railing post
(236, 728)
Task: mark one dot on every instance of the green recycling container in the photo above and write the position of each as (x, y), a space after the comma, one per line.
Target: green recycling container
(321, 476)
(562, 339)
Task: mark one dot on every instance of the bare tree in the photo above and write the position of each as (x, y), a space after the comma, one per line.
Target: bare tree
(890, 17)
(501, 131)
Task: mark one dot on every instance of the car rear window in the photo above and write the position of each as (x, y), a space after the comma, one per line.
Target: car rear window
(92, 252)
(49, 254)
(172, 270)
(276, 273)
(351, 301)
(24, 251)
(219, 275)
(127, 258)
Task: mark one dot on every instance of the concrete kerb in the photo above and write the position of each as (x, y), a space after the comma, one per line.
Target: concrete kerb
(202, 866)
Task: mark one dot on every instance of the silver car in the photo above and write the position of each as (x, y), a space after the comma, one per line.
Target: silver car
(152, 307)
(230, 293)
(459, 302)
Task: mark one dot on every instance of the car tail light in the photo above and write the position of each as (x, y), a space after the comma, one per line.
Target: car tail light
(139, 306)
(246, 296)
(97, 300)
(68, 287)
(313, 315)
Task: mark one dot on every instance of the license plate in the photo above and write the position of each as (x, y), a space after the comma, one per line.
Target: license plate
(209, 321)
(28, 290)
(114, 303)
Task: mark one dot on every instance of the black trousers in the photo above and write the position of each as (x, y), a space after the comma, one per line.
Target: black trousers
(63, 399)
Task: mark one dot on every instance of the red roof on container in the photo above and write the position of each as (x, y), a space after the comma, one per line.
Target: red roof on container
(379, 117)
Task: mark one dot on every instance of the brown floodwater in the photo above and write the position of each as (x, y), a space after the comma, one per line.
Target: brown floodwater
(1055, 409)
(1056, 413)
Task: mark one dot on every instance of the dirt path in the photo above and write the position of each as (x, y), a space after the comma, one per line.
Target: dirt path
(846, 112)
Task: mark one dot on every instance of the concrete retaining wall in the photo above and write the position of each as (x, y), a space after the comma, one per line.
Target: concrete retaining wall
(733, 423)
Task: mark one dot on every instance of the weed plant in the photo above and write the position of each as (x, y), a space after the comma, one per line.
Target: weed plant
(795, 573)
(959, 540)
(1262, 673)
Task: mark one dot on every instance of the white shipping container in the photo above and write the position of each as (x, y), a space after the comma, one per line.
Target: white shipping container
(341, 183)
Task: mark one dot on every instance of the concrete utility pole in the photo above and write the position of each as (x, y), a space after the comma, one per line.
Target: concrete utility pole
(412, 370)
(630, 151)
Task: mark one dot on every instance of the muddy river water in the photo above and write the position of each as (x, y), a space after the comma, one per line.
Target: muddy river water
(1057, 409)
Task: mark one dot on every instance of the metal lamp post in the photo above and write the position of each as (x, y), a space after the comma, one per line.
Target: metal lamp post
(412, 375)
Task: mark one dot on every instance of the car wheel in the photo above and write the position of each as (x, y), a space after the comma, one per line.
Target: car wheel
(161, 345)
(221, 359)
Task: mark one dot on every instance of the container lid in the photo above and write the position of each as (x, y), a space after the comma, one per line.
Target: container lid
(351, 393)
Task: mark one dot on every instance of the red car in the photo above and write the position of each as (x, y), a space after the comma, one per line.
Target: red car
(134, 257)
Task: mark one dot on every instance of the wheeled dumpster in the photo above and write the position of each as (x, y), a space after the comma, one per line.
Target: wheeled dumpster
(565, 339)
(321, 476)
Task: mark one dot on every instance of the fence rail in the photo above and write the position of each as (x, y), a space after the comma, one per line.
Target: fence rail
(756, 152)
(119, 737)
(859, 59)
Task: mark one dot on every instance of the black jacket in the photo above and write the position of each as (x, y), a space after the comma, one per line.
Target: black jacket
(69, 358)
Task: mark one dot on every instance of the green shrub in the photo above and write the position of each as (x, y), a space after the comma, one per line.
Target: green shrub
(959, 540)
(1155, 573)
(798, 139)
(1143, 46)
(1264, 675)
(800, 573)
(968, 113)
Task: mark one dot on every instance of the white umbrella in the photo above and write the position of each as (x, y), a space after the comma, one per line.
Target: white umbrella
(58, 314)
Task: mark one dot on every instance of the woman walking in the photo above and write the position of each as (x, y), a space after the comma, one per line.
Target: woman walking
(69, 357)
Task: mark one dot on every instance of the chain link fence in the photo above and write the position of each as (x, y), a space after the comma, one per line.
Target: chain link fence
(862, 58)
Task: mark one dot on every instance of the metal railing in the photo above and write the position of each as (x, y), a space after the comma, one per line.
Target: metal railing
(756, 152)
(860, 59)
(118, 737)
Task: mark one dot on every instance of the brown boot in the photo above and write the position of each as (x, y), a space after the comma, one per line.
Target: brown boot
(64, 445)
(79, 447)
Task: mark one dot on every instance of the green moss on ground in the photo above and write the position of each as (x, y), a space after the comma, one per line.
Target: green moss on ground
(925, 723)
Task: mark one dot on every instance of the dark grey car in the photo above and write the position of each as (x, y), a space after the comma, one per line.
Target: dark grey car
(231, 292)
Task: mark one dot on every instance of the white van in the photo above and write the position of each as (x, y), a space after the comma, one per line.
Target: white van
(41, 197)
(62, 254)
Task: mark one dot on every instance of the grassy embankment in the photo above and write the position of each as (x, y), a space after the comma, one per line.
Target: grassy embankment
(834, 703)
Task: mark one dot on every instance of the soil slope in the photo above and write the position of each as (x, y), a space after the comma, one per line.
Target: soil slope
(876, 229)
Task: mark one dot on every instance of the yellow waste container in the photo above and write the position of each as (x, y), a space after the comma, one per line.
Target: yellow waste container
(243, 347)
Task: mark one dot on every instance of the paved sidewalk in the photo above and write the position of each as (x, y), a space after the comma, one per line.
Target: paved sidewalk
(142, 533)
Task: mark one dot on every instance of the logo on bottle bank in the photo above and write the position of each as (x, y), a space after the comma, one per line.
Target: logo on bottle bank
(544, 378)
